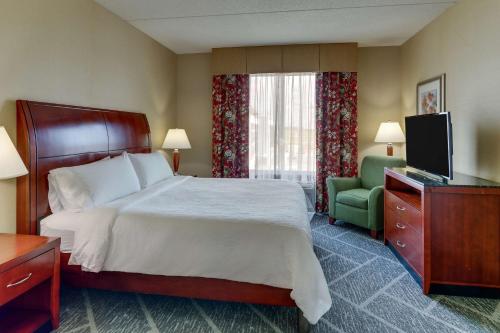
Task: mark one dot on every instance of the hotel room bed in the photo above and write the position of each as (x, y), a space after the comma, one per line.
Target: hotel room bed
(242, 230)
(222, 239)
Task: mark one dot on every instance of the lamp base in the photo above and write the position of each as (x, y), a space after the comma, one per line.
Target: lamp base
(390, 149)
(176, 160)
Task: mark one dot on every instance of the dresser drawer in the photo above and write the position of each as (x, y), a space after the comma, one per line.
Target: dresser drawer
(23, 277)
(408, 244)
(402, 212)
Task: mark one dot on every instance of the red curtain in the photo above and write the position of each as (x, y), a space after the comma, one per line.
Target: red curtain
(230, 126)
(336, 130)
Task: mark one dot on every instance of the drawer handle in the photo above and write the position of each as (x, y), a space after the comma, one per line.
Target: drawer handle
(403, 245)
(13, 284)
(400, 226)
(400, 208)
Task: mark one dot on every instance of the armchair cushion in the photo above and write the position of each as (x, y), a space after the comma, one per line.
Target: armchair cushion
(336, 185)
(357, 197)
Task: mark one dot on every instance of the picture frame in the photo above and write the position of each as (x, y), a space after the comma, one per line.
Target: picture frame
(431, 95)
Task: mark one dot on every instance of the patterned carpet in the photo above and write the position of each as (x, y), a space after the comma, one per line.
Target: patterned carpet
(371, 292)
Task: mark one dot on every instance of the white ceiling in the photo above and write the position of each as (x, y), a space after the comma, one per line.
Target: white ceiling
(194, 26)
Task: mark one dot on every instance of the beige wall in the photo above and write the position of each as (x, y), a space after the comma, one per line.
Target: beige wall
(464, 43)
(379, 96)
(76, 52)
(194, 111)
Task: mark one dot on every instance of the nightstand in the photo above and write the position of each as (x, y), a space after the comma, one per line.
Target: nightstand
(29, 283)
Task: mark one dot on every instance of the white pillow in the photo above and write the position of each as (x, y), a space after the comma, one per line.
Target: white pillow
(73, 194)
(96, 183)
(150, 168)
(55, 203)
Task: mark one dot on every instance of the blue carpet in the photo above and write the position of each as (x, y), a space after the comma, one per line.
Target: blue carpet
(370, 289)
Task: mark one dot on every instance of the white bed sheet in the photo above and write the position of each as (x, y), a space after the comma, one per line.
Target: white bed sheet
(59, 225)
(253, 231)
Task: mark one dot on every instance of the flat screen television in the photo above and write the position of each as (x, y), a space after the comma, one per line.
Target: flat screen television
(429, 144)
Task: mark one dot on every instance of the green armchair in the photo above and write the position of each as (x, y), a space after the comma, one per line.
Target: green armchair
(360, 200)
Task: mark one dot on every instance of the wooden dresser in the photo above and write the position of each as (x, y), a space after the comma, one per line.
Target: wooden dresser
(29, 283)
(447, 234)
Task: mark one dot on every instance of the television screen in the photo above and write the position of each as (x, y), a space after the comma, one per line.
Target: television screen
(429, 143)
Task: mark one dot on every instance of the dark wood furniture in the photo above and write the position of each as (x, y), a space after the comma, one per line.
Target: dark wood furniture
(51, 136)
(29, 282)
(448, 234)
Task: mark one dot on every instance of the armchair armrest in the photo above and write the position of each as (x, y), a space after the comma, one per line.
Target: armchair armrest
(339, 184)
(376, 208)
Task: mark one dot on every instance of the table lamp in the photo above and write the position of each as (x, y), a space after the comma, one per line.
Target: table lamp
(390, 132)
(176, 139)
(11, 164)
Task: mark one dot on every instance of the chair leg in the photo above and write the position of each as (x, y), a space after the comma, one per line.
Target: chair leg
(374, 234)
(331, 220)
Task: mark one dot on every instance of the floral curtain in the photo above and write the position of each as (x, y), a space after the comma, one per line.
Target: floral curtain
(230, 126)
(336, 130)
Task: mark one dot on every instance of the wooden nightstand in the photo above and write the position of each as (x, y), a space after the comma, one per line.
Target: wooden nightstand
(29, 282)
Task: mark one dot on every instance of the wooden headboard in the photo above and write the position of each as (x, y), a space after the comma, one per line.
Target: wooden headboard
(51, 136)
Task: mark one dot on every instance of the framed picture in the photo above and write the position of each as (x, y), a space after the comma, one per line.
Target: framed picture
(431, 95)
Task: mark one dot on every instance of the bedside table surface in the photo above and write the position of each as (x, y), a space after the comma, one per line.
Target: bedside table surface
(15, 249)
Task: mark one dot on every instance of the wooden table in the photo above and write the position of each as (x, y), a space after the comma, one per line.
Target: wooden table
(29, 282)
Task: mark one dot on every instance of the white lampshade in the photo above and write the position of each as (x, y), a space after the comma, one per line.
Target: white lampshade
(390, 132)
(11, 165)
(176, 139)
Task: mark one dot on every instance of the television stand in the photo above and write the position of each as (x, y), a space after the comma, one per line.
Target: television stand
(446, 234)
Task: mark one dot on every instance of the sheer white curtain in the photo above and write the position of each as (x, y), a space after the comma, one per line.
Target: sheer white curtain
(283, 127)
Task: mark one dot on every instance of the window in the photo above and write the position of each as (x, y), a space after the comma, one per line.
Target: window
(282, 127)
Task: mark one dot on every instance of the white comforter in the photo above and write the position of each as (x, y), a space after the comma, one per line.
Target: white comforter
(253, 231)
